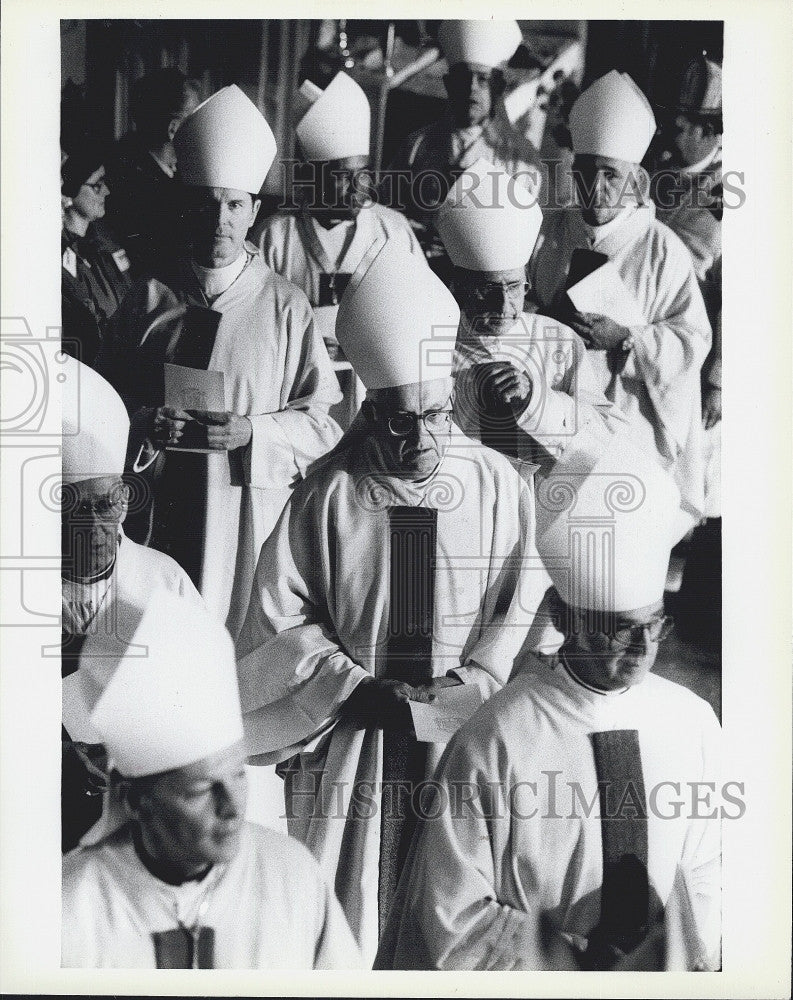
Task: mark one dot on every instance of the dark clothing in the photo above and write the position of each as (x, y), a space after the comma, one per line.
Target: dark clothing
(95, 276)
(144, 207)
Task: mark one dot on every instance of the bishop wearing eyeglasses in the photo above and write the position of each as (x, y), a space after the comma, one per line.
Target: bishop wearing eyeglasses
(524, 383)
(579, 775)
(399, 567)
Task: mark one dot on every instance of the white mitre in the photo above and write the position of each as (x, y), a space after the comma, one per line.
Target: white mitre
(397, 321)
(489, 220)
(482, 43)
(606, 527)
(226, 142)
(338, 121)
(94, 424)
(612, 118)
(172, 697)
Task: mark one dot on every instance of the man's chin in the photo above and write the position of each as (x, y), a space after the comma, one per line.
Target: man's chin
(494, 326)
(633, 670)
(420, 465)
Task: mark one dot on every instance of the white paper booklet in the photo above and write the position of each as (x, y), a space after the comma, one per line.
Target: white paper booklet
(439, 721)
(604, 292)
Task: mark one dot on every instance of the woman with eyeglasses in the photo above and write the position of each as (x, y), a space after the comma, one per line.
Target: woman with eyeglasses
(95, 271)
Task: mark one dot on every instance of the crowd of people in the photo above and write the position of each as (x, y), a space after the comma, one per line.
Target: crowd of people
(368, 515)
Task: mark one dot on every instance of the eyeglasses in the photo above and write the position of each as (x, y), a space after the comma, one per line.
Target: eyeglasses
(96, 186)
(108, 505)
(490, 289)
(657, 629)
(402, 424)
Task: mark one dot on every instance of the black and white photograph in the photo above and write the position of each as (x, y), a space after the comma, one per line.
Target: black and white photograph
(378, 396)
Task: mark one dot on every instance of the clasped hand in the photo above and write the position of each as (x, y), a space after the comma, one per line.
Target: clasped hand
(599, 333)
(501, 383)
(384, 704)
(225, 431)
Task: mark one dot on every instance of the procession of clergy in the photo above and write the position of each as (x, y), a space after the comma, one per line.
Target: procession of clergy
(244, 786)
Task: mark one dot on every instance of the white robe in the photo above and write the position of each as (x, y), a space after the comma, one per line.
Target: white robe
(283, 249)
(700, 230)
(270, 909)
(658, 389)
(567, 404)
(318, 621)
(277, 373)
(120, 600)
(441, 147)
(478, 876)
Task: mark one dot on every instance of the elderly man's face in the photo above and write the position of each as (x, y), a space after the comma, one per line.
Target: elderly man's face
(605, 186)
(91, 512)
(492, 301)
(193, 816)
(470, 91)
(218, 220)
(413, 425)
(625, 656)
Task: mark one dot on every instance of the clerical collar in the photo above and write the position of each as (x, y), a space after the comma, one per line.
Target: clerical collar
(89, 581)
(597, 234)
(572, 676)
(216, 280)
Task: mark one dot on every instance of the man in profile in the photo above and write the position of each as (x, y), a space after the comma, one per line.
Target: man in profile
(182, 881)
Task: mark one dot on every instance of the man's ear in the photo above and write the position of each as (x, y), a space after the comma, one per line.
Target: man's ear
(173, 126)
(257, 204)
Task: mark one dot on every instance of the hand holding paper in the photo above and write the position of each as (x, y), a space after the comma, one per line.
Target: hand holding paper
(439, 720)
(604, 293)
(599, 332)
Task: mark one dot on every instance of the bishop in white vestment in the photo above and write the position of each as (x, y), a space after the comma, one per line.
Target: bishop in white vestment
(582, 794)
(401, 565)
(648, 365)
(214, 510)
(182, 881)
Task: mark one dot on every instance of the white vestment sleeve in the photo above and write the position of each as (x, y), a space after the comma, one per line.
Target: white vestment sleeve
(293, 675)
(669, 352)
(575, 402)
(446, 914)
(286, 442)
(336, 946)
(515, 590)
(701, 860)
